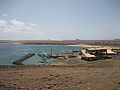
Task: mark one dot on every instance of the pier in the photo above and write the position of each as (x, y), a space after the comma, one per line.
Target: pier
(88, 54)
(20, 60)
(73, 54)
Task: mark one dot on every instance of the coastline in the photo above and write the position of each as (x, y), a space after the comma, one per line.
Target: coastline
(71, 74)
(95, 46)
(84, 45)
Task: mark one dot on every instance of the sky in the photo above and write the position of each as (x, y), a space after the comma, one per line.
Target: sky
(59, 19)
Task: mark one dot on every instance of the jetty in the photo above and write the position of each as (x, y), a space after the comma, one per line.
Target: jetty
(117, 50)
(90, 54)
(72, 54)
(97, 53)
(44, 58)
(20, 60)
(100, 51)
(65, 55)
(87, 56)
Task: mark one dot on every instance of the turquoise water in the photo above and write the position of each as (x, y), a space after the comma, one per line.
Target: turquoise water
(9, 52)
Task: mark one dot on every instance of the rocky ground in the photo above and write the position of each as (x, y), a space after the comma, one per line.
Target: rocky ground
(73, 74)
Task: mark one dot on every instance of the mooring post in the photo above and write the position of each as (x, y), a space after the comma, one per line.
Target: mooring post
(51, 51)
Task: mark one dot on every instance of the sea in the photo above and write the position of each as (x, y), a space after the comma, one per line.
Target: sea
(9, 52)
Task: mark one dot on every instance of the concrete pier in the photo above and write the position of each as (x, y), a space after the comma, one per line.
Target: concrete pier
(18, 61)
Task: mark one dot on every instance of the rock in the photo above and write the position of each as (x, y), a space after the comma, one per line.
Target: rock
(67, 77)
(21, 88)
(2, 85)
(15, 83)
(118, 82)
(49, 86)
(80, 82)
(44, 78)
(50, 79)
(51, 75)
(66, 81)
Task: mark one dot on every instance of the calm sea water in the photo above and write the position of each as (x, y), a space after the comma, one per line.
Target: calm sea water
(9, 52)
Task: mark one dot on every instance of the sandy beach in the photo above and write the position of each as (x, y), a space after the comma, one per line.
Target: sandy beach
(95, 46)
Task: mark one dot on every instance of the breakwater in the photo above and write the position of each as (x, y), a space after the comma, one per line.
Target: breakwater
(20, 60)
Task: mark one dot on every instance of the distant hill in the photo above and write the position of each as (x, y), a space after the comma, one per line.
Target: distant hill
(117, 39)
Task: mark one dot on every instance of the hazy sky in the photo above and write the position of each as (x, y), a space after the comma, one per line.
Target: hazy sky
(59, 19)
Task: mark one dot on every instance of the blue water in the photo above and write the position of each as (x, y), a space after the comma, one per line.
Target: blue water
(9, 52)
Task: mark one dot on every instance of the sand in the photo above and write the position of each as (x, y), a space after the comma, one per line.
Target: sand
(95, 46)
(73, 74)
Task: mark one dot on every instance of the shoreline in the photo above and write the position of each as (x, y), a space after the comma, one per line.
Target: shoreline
(95, 46)
(84, 45)
(56, 62)
(61, 74)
